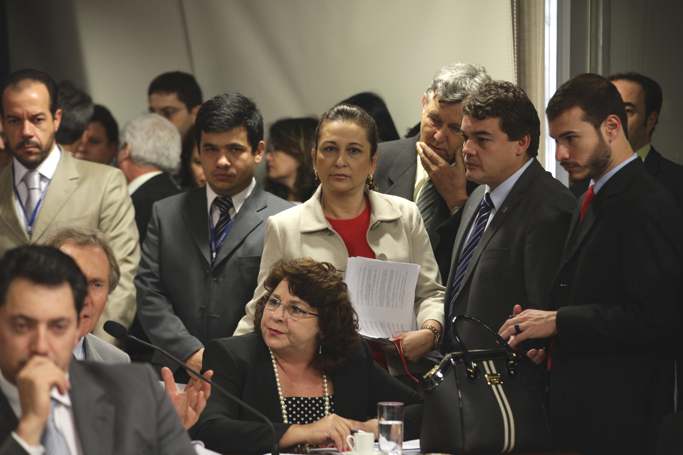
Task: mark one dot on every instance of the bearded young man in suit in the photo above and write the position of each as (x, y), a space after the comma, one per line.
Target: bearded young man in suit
(45, 189)
(615, 303)
(510, 238)
(643, 98)
(427, 168)
(50, 403)
(202, 253)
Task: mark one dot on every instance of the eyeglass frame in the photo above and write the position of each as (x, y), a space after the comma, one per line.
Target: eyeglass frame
(288, 308)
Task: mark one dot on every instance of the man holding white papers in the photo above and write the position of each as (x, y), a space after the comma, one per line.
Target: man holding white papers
(513, 226)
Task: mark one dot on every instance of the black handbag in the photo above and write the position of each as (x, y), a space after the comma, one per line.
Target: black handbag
(484, 401)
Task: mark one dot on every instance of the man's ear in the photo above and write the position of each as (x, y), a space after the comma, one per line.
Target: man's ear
(57, 119)
(523, 144)
(259, 151)
(193, 112)
(611, 127)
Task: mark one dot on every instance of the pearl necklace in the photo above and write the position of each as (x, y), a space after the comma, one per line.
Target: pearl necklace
(283, 407)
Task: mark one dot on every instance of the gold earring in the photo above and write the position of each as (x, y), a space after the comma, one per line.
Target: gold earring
(370, 182)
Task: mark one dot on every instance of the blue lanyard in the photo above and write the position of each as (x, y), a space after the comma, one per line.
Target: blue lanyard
(32, 218)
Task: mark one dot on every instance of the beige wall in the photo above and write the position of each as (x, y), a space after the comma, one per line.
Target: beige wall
(294, 57)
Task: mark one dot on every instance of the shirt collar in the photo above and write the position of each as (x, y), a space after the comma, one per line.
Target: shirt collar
(644, 151)
(500, 193)
(237, 199)
(47, 168)
(79, 349)
(598, 184)
(140, 180)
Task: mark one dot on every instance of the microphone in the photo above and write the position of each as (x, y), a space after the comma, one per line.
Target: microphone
(120, 332)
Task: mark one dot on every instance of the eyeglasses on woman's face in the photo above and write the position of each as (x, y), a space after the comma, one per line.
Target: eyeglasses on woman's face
(293, 311)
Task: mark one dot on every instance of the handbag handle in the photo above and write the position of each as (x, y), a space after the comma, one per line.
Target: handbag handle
(472, 368)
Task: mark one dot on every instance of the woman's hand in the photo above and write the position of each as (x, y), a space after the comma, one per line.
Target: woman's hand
(370, 426)
(330, 429)
(416, 343)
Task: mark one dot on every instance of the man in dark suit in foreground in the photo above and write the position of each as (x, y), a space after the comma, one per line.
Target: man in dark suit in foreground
(50, 402)
(433, 175)
(616, 299)
(203, 248)
(509, 242)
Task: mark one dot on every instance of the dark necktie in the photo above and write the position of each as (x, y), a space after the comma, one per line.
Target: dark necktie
(485, 207)
(587, 199)
(432, 207)
(222, 227)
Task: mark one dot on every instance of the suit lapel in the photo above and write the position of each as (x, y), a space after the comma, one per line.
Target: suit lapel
(246, 220)
(653, 162)
(196, 215)
(93, 411)
(90, 354)
(60, 189)
(468, 214)
(8, 421)
(401, 175)
(8, 215)
(513, 198)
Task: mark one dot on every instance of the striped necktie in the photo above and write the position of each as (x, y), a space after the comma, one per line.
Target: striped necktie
(222, 227)
(433, 209)
(53, 439)
(485, 207)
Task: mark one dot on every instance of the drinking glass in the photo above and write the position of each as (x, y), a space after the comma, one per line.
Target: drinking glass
(390, 417)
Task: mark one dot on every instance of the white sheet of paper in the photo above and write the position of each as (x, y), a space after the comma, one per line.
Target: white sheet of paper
(383, 295)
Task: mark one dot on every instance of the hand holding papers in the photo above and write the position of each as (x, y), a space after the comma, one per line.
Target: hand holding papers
(383, 295)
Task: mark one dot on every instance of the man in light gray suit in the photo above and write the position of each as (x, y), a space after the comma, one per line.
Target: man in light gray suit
(45, 189)
(203, 247)
(94, 257)
(52, 404)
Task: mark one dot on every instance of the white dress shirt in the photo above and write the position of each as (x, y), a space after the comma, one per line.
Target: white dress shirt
(64, 418)
(237, 201)
(46, 169)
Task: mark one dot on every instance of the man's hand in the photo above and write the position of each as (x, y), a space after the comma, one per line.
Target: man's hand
(448, 179)
(190, 402)
(528, 325)
(35, 382)
(195, 360)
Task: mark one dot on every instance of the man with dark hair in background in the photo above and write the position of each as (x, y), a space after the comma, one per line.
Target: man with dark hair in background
(509, 242)
(46, 189)
(616, 300)
(50, 403)
(643, 98)
(100, 140)
(203, 248)
(176, 96)
(77, 109)
(428, 168)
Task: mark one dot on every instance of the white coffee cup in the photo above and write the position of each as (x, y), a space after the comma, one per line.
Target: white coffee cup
(362, 443)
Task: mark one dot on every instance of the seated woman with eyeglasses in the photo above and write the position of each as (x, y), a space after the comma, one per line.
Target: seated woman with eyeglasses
(305, 368)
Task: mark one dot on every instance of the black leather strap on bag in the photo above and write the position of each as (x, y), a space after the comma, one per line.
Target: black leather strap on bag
(483, 400)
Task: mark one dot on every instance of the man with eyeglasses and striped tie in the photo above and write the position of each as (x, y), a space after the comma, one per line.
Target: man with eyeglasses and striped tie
(203, 248)
(49, 402)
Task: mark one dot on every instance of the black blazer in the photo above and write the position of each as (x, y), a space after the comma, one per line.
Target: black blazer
(243, 366)
(118, 409)
(518, 255)
(158, 187)
(618, 299)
